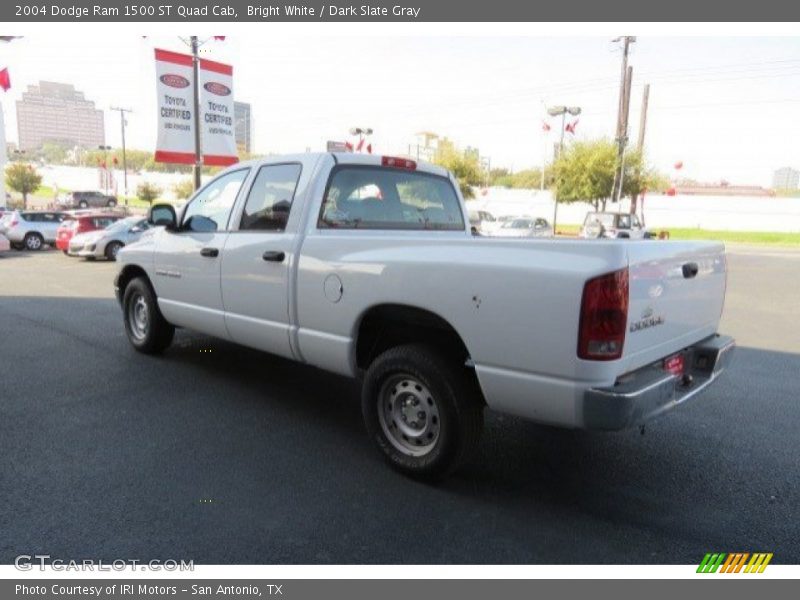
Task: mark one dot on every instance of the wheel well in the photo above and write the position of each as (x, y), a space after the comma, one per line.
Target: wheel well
(128, 273)
(389, 325)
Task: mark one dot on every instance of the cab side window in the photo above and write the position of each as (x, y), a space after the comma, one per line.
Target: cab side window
(270, 199)
(209, 210)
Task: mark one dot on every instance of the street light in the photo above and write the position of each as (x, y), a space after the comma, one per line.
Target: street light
(361, 132)
(554, 111)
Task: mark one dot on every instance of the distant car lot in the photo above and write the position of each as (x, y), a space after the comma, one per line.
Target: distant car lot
(225, 455)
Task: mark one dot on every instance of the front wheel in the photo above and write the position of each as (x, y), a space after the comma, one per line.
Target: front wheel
(111, 203)
(112, 250)
(33, 241)
(147, 330)
(422, 409)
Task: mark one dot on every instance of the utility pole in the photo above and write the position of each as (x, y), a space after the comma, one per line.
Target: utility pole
(123, 122)
(622, 121)
(624, 136)
(198, 158)
(640, 142)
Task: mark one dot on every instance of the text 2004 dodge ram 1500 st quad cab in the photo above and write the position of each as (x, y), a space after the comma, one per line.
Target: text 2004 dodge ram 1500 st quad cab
(366, 266)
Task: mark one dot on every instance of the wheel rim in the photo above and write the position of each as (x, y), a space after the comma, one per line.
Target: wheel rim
(138, 317)
(408, 415)
(33, 243)
(114, 250)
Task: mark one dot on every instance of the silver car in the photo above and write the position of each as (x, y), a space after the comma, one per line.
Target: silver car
(31, 229)
(105, 243)
(525, 227)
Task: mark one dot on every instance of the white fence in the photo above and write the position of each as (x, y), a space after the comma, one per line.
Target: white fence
(724, 213)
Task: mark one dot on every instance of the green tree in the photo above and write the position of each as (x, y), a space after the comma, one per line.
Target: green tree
(147, 192)
(24, 179)
(585, 172)
(465, 167)
(183, 189)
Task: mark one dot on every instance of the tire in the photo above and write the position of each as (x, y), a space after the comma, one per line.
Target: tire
(111, 203)
(66, 253)
(147, 330)
(414, 389)
(112, 249)
(33, 241)
(83, 204)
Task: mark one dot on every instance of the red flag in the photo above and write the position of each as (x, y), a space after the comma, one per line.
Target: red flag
(219, 38)
(369, 148)
(348, 146)
(679, 165)
(5, 80)
(571, 126)
(360, 145)
(545, 126)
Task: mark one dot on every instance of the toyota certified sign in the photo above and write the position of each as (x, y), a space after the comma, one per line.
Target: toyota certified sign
(176, 81)
(217, 88)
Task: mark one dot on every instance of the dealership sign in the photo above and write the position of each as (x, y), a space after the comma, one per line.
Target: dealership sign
(176, 122)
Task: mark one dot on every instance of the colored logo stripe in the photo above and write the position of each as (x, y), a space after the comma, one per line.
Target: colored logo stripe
(733, 562)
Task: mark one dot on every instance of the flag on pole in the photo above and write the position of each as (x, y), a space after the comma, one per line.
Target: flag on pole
(570, 127)
(545, 126)
(369, 148)
(360, 145)
(5, 80)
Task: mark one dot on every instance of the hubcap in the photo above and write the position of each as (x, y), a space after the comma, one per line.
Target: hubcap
(114, 250)
(34, 243)
(408, 415)
(138, 317)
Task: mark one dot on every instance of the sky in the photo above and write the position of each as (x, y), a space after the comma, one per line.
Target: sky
(726, 107)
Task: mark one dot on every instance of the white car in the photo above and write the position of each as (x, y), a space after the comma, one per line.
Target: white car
(620, 226)
(5, 245)
(483, 222)
(366, 266)
(524, 227)
(106, 243)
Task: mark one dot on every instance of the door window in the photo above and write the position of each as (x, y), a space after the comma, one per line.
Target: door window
(209, 210)
(270, 199)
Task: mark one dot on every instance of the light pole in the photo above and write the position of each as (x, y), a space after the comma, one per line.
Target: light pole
(554, 111)
(362, 133)
(105, 150)
(124, 122)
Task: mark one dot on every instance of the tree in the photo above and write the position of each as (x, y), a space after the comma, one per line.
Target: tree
(465, 167)
(24, 179)
(183, 189)
(585, 172)
(147, 192)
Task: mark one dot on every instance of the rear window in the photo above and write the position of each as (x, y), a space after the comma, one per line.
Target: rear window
(361, 197)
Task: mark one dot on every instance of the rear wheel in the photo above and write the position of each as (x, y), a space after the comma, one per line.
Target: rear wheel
(147, 330)
(112, 249)
(111, 203)
(422, 409)
(83, 204)
(33, 241)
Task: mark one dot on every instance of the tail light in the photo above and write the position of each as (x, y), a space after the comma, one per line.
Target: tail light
(14, 221)
(604, 317)
(398, 163)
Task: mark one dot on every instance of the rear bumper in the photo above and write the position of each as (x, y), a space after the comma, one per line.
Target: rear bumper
(650, 391)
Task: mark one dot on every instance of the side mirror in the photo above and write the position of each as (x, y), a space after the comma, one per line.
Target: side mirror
(136, 229)
(163, 214)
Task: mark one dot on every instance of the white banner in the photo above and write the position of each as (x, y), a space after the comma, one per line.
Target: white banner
(216, 113)
(174, 84)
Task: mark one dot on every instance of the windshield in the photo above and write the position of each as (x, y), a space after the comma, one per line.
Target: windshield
(605, 219)
(122, 225)
(518, 224)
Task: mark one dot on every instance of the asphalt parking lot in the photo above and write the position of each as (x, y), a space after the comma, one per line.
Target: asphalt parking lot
(220, 454)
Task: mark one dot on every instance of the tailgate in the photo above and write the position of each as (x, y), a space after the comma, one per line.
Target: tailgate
(677, 290)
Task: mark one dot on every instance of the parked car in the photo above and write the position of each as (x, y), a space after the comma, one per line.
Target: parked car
(483, 222)
(106, 243)
(74, 225)
(31, 229)
(613, 225)
(5, 245)
(365, 266)
(525, 227)
(87, 200)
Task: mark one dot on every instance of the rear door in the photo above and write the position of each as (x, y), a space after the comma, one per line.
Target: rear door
(677, 290)
(258, 256)
(187, 261)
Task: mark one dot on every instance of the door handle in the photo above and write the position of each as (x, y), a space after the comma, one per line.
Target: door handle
(209, 252)
(690, 270)
(274, 256)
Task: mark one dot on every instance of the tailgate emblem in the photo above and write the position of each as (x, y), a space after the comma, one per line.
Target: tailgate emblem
(649, 319)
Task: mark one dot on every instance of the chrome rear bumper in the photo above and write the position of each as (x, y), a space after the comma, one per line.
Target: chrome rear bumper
(644, 394)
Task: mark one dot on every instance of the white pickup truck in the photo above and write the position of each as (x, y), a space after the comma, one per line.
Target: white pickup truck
(366, 266)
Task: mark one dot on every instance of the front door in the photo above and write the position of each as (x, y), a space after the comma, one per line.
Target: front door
(187, 261)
